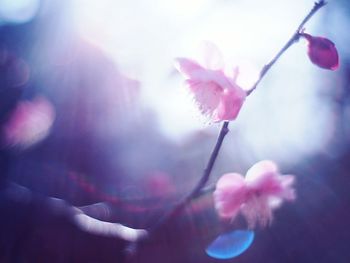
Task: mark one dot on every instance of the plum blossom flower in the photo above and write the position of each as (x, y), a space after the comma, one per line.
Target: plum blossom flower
(322, 52)
(215, 92)
(255, 196)
(29, 123)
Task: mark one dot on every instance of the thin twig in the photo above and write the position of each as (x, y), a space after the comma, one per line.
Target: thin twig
(291, 41)
(187, 199)
(267, 67)
(199, 189)
(201, 183)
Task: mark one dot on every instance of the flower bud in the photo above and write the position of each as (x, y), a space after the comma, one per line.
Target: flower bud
(322, 52)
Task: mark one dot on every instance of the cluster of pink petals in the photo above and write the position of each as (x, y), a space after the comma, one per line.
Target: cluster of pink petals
(255, 196)
(216, 94)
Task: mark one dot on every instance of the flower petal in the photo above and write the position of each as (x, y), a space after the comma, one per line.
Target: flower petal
(257, 210)
(256, 196)
(206, 95)
(217, 95)
(263, 178)
(261, 174)
(212, 57)
(230, 104)
(287, 190)
(229, 195)
(187, 66)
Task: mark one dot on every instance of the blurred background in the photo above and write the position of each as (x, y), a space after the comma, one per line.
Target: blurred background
(94, 113)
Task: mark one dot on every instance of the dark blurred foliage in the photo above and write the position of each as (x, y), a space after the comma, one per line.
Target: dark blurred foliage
(105, 155)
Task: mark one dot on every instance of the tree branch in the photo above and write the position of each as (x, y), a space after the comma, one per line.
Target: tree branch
(199, 189)
(291, 41)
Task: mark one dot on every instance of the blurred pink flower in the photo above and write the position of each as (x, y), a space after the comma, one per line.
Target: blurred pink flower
(322, 52)
(255, 196)
(159, 184)
(216, 94)
(29, 123)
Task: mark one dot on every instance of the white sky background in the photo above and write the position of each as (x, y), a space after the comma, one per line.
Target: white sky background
(284, 119)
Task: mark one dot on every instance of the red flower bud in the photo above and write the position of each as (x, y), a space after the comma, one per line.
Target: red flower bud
(322, 52)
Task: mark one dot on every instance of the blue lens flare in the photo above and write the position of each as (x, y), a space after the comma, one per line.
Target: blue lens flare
(230, 245)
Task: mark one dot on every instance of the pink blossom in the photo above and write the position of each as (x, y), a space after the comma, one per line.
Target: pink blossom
(255, 196)
(29, 123)
(216, 94)
(322, 52)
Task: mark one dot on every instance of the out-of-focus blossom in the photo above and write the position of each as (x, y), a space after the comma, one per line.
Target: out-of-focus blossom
(29, 123)
(255, 196)
(159, 184)
(216, 93)
(322, 52)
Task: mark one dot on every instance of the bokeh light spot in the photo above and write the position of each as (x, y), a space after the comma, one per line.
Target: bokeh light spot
(230, 245)
(18, 11)
(29, 123)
